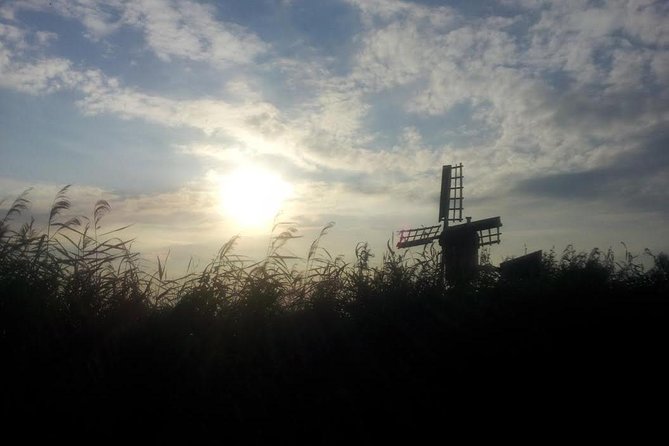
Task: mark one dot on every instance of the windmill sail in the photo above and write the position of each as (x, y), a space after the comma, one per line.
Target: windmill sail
(445, 198)
(419, 236)
(450, 201)
(487, 229)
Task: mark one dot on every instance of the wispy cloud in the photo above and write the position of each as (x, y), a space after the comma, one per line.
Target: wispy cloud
(171, 28)
(191, 30)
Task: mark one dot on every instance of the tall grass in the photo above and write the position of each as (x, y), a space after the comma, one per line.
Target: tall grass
(311, 341)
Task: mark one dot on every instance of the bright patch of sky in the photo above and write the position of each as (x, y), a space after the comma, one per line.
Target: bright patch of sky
(558, 109)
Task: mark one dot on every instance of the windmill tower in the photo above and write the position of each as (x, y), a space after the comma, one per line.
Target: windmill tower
(459, 243)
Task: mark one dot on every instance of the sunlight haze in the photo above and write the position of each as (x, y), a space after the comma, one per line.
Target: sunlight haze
(252, 197)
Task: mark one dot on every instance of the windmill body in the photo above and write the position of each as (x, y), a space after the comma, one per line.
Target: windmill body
(460, 243)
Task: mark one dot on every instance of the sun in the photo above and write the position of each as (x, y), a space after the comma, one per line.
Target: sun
(252, 196)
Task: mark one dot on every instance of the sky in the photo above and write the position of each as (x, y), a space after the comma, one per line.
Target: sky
(200, 120)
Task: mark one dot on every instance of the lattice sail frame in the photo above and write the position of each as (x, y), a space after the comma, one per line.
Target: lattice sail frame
(419, 236)
(491, 237)
(487, 229)
(451, 199)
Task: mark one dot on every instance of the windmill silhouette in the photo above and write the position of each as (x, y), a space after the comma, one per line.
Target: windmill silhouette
(459, 243)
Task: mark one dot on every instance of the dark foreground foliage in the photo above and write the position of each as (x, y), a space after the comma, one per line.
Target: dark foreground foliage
(263, 352)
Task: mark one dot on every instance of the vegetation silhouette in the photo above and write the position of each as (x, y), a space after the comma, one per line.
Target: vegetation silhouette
(264, 350)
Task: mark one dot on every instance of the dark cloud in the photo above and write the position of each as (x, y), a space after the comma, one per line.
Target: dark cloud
(638, 179)
(586, 110)
(577, 185)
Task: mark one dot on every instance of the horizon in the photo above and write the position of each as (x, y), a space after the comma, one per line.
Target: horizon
(184, 115)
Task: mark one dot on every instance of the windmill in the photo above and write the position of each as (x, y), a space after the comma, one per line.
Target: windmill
(459, 243)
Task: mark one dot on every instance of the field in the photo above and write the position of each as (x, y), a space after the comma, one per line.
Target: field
(271, 352)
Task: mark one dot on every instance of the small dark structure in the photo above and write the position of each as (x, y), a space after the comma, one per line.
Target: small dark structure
(460, 243)
(525, 267)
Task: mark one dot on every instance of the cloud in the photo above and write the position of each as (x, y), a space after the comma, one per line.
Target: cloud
(572, 89)
(21, 70)
(181, 29)
(24, 67)
(248, 119)
(507, 75)
(100, 18)
(635, 180)
(190, 30)
(42, 76)
(375, 11)
(543, 100)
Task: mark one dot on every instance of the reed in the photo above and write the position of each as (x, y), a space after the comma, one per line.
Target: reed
(299, 341)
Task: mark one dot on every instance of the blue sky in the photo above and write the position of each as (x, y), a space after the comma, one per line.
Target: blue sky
(559, 111)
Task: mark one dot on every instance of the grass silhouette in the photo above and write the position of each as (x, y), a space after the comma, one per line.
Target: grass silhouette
(266, 351)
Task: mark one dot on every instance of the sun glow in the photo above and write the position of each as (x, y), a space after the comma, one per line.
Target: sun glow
(252, 196)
